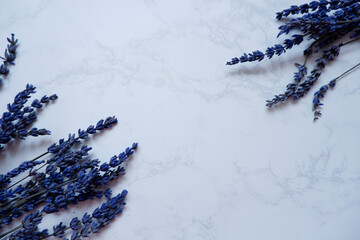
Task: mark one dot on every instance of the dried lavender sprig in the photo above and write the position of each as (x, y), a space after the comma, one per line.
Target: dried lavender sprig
(83, 134)
(5, 179)
(328, 55)
(313, 23)
(27, 229)
(89, 223)
(81, 186)
(63, 146)
(347, 14)
(9, 57)
(100, 217)
(14, 122)
(277, 49)
(28, 225)
(290, 88)
(31, 164)
(12, 40)
(318, 95)
(313, 6)
(298, 90)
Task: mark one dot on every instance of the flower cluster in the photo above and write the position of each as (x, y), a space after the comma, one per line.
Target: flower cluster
(18, 117)
(318, 95)
(299, 88)
(68, 177)
(78, 228)
(324, 23)
(9, 56)
(60, 177)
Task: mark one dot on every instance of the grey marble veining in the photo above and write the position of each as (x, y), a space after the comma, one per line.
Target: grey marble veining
(213, 163)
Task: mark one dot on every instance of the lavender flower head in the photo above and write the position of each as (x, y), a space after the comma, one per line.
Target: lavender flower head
(323, 23)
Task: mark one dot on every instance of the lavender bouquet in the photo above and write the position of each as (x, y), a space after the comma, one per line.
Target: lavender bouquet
(329, 26)
(61, 177)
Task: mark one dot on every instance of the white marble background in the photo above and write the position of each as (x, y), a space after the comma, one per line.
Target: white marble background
(213, 162)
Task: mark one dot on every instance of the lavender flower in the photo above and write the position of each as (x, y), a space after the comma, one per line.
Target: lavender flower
(90, 223)
(290, 88)
(320, 94)
(9, 56)
(14, 122)
(322, 22)
(316, 101)
(69, 177)
(66, 177)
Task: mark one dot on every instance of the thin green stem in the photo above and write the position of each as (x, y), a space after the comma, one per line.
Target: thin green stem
(315, 42)
(335, 23)
(12, 185)
(348, 21)
(306, 58)
(2, 236)
(40, 156)
(347, 71)
(20, 201)
(351, 41)
(36, 169)
(50, 235)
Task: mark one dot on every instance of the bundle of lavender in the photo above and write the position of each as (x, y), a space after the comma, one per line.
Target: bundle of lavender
(62, 176)
(66, 177)
(329, 26)
(15, 121)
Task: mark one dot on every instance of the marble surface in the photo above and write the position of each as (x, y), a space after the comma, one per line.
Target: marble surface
(213, 162)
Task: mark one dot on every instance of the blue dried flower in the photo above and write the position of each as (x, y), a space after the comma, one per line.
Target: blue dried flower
(323, 22)
(68, 176)
(75, 224)
(4, 70)
(14, 122)
(91, 223)
(59, 230)
(12, 40)
(9, 56)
